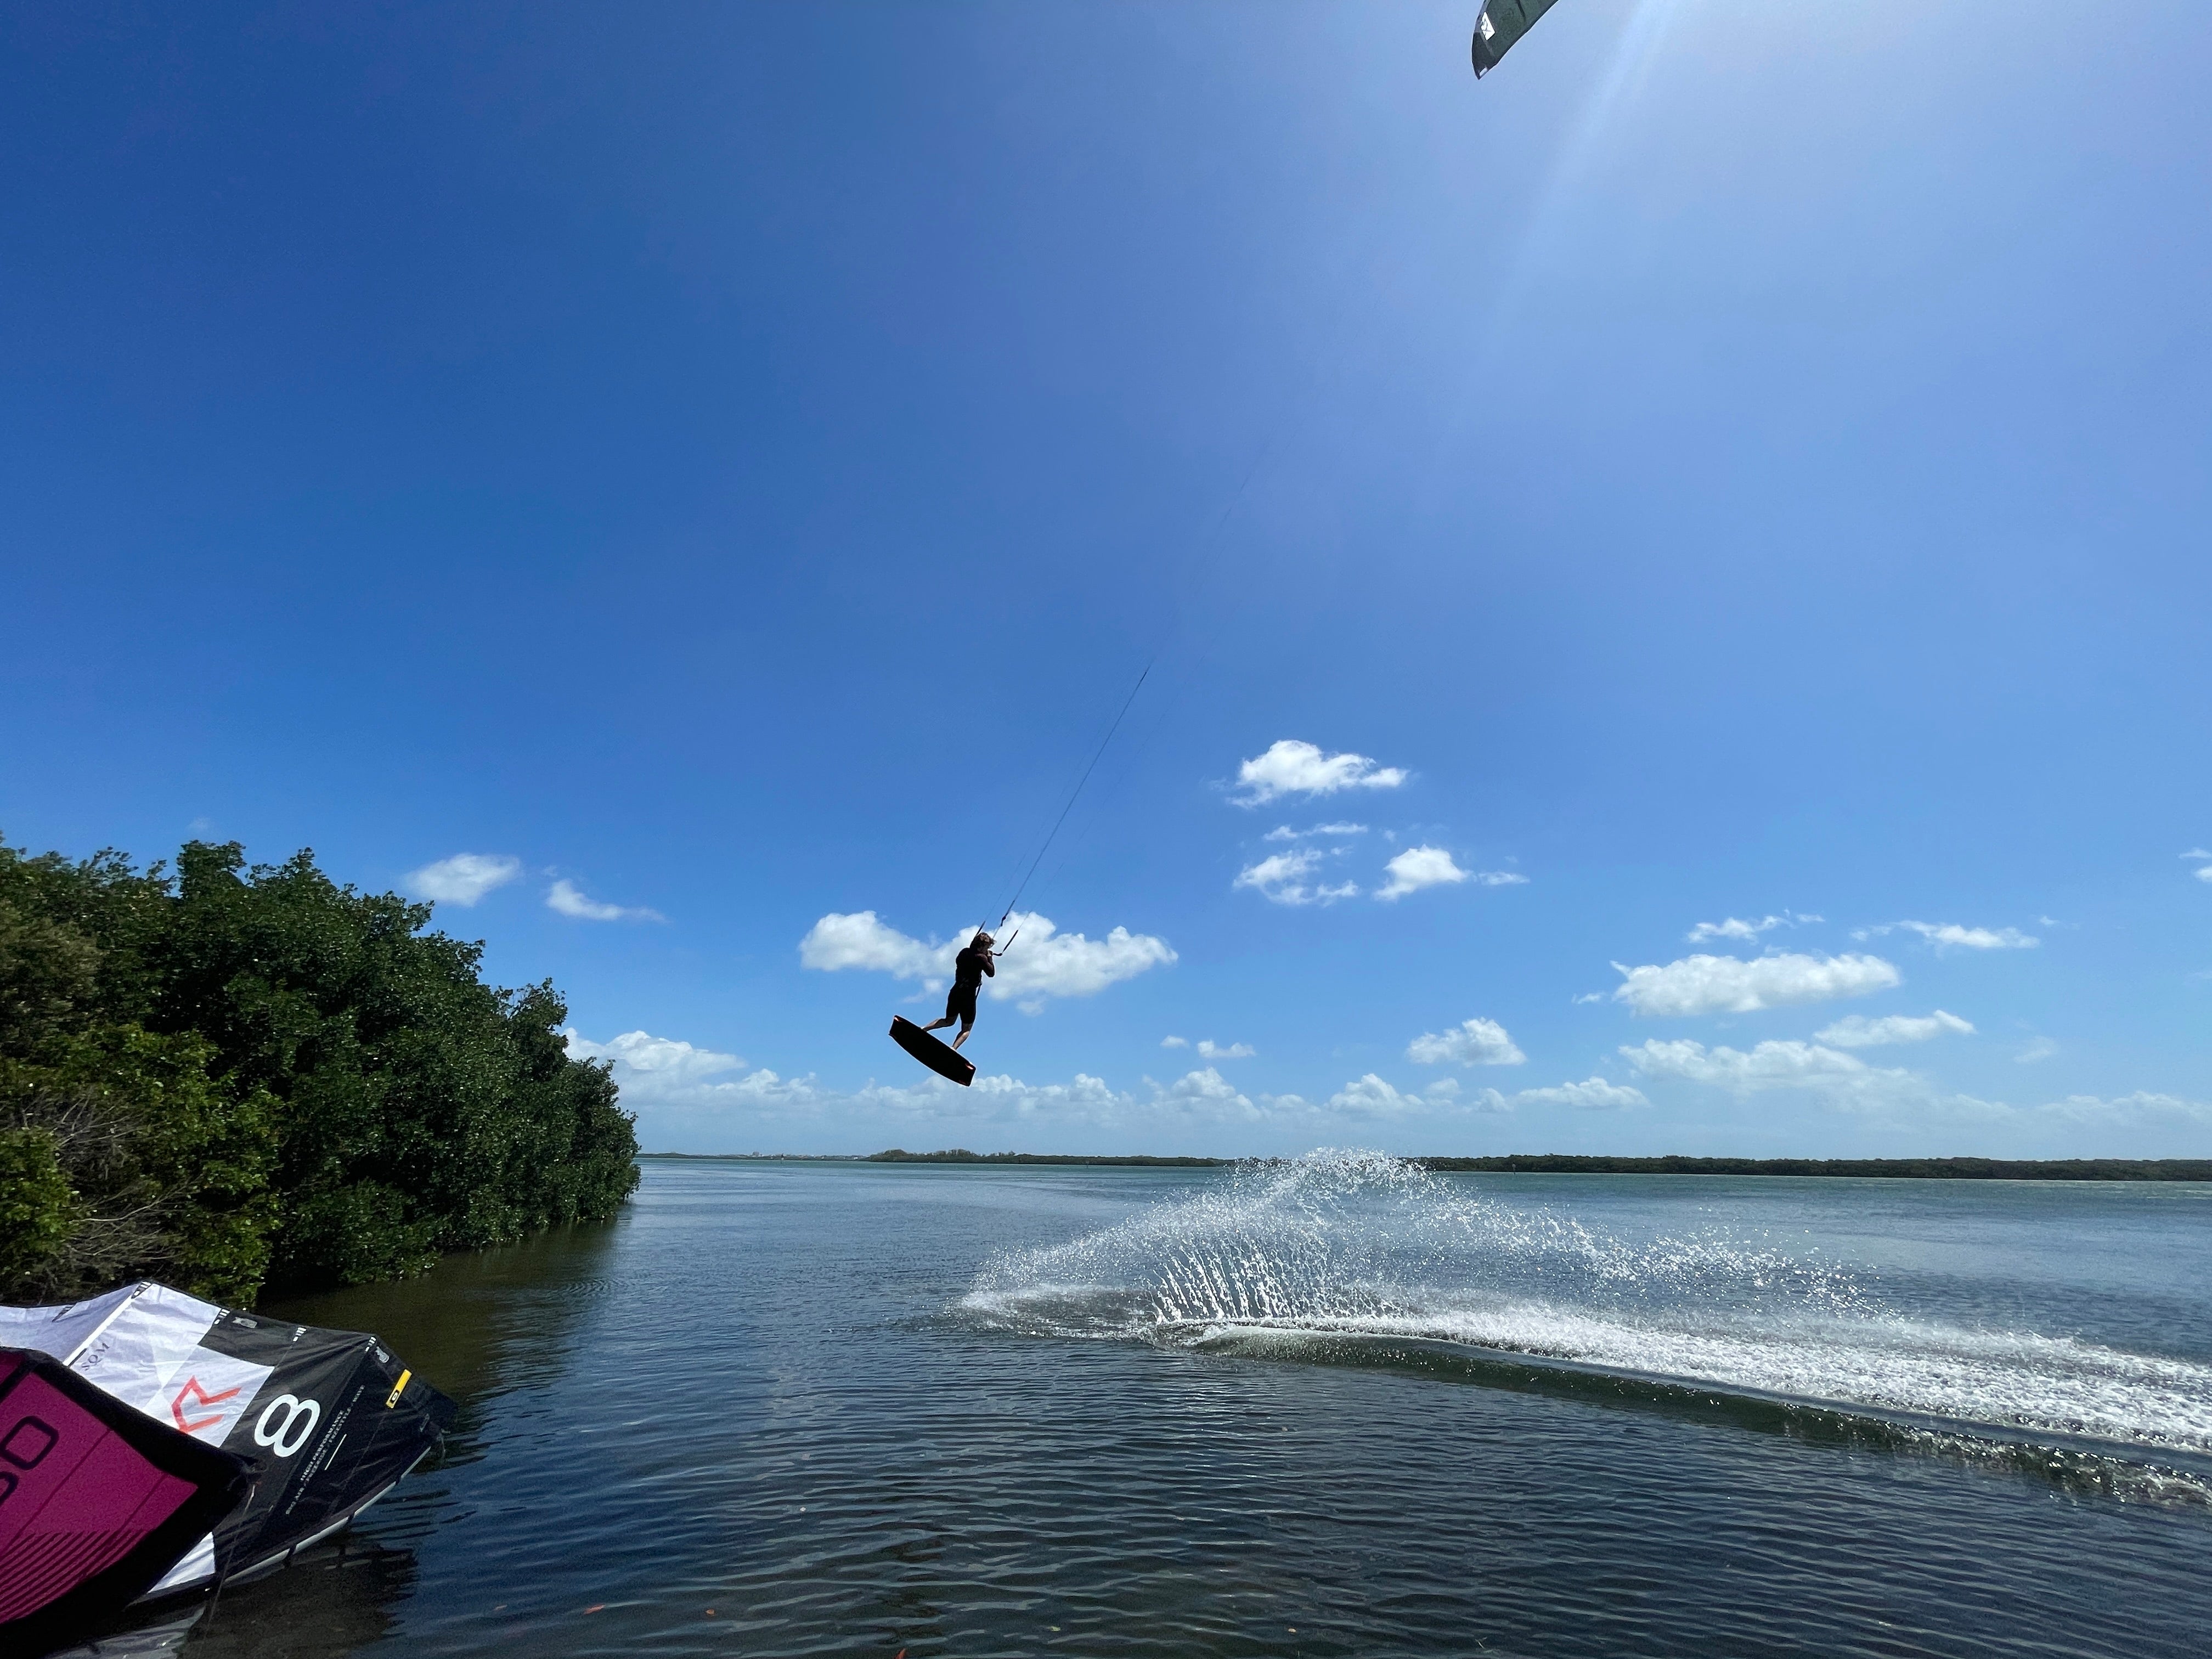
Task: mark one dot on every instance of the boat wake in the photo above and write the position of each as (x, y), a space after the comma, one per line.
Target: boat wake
(1359, 1258)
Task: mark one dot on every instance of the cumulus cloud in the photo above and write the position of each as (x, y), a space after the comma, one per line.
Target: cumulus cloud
(1473, 1042)
(1042, 962)
(1838, 1080)
(1731, 985)
(2129, 1111)
(463, 878)
(1209, 1049)
(1950, 935)
(1207, 1094)
(1046, 963)
(1291, 768)
(1288, 878)
(684, 1094)
(2204, 872)
(651, 1070)
(2204, 868)
(862, 940)
(1735, 928)
(1283, 832)
(1591, 1095)
(1369, 1096)
(563, 897)
(697, 1097)
(1858, 1031)
(1768, 1066)
(1418, 867)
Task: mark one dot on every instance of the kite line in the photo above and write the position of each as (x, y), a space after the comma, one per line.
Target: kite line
(1078, 791)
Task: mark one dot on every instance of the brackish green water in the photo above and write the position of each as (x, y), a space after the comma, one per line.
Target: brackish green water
(1339, 1408)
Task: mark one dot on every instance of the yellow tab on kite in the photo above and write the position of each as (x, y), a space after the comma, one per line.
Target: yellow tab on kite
(398, 1388)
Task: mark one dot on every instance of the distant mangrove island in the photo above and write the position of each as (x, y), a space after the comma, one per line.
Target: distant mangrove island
(1891, 1168)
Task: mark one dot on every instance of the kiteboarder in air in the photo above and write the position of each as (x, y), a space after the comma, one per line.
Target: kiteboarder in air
(969, 969)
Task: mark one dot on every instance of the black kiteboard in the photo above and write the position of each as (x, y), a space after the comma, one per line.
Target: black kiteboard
(941, 1058)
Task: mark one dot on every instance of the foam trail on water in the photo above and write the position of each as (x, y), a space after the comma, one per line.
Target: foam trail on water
(1358, 1244)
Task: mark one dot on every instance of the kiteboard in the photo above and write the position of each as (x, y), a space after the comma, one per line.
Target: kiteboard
(941, 1058)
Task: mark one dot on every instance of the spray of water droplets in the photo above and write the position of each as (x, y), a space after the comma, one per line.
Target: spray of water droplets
(1355, 1244)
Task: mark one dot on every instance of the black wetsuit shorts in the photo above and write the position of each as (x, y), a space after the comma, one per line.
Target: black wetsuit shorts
(961, 1004)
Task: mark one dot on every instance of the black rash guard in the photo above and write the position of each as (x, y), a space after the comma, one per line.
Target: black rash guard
(969, 969)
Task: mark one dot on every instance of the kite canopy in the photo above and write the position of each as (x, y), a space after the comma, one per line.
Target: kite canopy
(97, 1501)
(305, 1427)
(1502, 23)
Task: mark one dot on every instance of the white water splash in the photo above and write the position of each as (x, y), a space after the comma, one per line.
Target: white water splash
(1359, 1245)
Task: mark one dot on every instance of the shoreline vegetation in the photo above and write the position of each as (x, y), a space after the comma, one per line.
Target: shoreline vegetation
(230, 1078)
(1889, 1169)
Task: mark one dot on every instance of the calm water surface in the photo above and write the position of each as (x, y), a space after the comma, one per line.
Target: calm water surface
(1332, 1407)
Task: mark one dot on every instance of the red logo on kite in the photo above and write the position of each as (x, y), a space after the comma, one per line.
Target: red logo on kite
(192, 1388)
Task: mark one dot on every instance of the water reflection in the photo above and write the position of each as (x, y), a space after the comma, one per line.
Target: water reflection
(478, 1326)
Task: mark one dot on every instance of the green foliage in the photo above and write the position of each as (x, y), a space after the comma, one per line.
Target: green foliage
(38, 1210)
(257, 1074)
(167, 1170)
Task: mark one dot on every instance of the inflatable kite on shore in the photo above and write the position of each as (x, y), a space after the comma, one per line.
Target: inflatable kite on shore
(153, 1445)
(1502, 23)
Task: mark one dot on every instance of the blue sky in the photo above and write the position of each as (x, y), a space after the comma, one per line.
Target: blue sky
(1722, 503)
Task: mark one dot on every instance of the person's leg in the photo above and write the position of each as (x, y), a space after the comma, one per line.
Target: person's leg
(955, 1005)
(965, 1030)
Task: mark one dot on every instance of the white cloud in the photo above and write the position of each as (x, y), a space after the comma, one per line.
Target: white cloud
(1418, 867)
(1589, 996)
(1591, 1095)
(2039, 1049)
(684, 1094)
(1040, 960)
(1283, 832)
(1207, 1094)
(463, 878)
(2130, 1110)
(1858, 1031)
(1174, 1043)
(1730, 985)
(1291, 768)
(651, 1070)
(1499, 879)
(1286, 878)
(2204, 872)
(1945, 935)
(1840, 1080)
(1734, 928)
(688, 1097)
(860, 941)
(1209, 1049)
(1043, 962)
(1369, 1096)
(1768, 1066)
(563, 897)
(1475, 1043)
